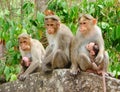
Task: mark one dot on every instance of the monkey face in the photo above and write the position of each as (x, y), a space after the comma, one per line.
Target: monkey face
(86, 24)
(51, 26)
(89, 47)
(24, 43)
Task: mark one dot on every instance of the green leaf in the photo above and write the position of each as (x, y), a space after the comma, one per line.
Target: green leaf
(40, 17)
(13, 77)
(7, 73)
(101, 6)
(104, 25)
(9, 44)
(24, 30)
(118, 32)
(7, 70)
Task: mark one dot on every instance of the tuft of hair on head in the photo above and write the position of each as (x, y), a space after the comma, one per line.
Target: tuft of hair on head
(86, 16)
(24, 35)
(53, 17)
(48, 12)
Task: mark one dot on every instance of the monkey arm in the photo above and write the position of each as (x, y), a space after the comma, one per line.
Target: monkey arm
(100, 55)
(31, 68)
(73, 50)
(21, 71)
(74, 55)
(75, 47)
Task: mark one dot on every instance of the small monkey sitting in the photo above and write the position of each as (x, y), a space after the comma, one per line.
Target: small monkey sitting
(26, 61)
(93, 51)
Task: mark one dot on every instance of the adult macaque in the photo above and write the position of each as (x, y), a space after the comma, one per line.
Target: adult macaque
(87, 32)
(59, 37)
(32, 53)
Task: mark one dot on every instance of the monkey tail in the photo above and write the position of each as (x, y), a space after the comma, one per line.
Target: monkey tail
(104, 83)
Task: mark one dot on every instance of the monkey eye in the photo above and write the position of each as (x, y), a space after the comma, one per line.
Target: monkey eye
(47, 24)
(51, 24)
(24, 41)
(84, 22)
(20, 42)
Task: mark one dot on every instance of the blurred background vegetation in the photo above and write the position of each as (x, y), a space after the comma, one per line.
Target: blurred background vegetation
(17, 16)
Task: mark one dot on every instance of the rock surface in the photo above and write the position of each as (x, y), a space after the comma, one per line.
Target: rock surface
(61, 81)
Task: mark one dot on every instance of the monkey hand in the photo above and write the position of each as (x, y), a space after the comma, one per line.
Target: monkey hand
(74, 71)
(22, 77)
(99, 59)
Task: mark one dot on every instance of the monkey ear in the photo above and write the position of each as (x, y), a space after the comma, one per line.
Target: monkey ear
(58, 23)
(94, 21)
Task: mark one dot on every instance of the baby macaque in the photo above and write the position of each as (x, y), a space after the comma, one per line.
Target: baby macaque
(93, 51)
(26, 61)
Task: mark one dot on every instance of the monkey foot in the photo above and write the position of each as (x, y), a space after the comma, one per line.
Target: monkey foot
(47, 71)
(75, 72)
(91, 71)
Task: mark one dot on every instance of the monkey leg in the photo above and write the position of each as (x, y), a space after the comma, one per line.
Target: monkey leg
(75, 69)
(60, 60)
(46, 64)
(75, 66)
(84, 62)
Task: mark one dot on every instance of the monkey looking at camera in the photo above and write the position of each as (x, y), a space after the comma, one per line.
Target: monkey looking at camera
(32, 53)
(59, 37)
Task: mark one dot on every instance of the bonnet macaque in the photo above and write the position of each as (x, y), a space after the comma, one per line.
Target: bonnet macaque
(59, 37)
(32, 53)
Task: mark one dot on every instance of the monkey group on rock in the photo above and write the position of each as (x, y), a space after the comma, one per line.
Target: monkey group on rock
(82, 52)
